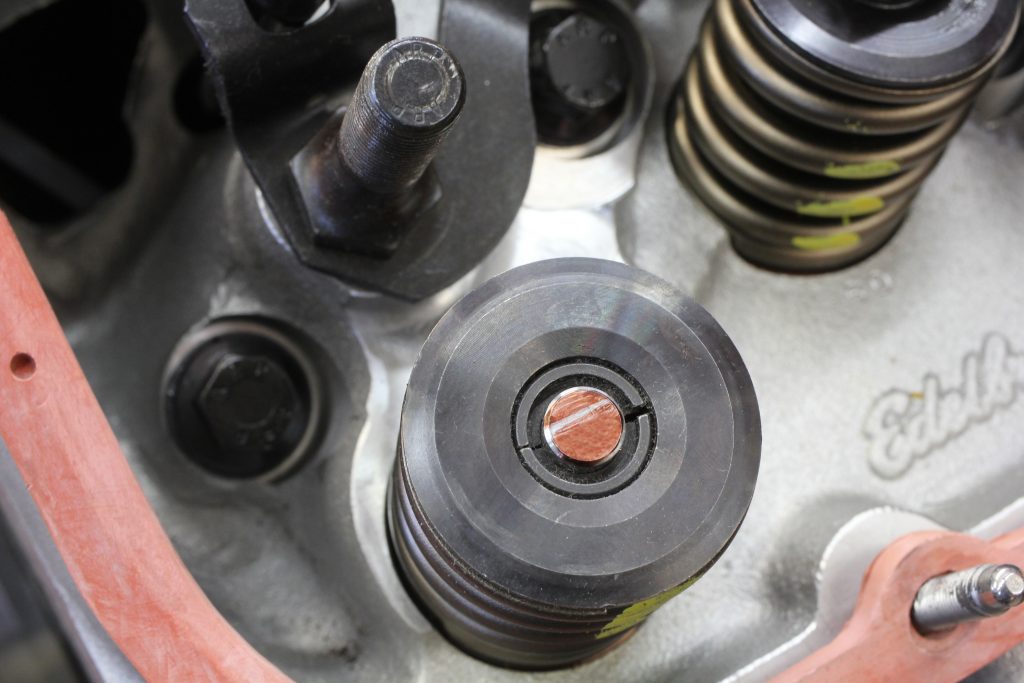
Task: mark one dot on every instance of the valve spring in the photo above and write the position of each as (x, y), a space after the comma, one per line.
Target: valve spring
(477, 613)
(527, 532)
(810, 169)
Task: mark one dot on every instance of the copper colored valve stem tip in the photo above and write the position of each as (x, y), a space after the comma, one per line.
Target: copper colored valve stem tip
(583, 424)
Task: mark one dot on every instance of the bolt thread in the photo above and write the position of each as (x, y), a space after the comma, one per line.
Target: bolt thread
(408, 97)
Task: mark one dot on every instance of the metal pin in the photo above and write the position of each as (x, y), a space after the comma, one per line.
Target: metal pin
(946, 601)
(408, 98)
(583, 424)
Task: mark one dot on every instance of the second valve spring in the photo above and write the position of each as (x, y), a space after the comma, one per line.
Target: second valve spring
(809, 168)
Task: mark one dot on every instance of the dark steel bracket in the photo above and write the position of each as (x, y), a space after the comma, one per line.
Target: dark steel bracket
(278, 90)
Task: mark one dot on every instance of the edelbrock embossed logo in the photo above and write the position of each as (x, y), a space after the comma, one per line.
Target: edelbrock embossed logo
(905, 426)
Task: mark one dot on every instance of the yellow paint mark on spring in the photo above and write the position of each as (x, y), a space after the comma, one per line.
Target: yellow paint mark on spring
(868, 169)
(858, 206)
(842, 240)
(634, 614)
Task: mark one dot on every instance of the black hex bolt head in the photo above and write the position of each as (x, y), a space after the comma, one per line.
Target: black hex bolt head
(585, 61)
(409, 96)
(239, 405)
(250, 404)
(580, 74)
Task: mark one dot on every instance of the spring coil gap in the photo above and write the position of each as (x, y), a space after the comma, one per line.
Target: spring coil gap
(809, 170)
(494, 624)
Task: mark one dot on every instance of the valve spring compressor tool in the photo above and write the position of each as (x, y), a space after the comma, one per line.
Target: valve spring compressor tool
(547, 499)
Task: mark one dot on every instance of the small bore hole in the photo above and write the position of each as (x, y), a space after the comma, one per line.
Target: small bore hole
(23, 366)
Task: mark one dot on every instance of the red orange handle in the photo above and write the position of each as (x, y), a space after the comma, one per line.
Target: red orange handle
(879, 643)
(113, 545)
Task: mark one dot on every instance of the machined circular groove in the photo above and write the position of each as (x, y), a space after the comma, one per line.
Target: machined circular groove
(771, 238)
(517, 573)
(639, 430)
(803, 261)
(829, 109)
(787, 188)
(473, 594)
(473, 614)
(759, 220)
(258, 328)
(481, 596)
(857, 156)
(766, 36)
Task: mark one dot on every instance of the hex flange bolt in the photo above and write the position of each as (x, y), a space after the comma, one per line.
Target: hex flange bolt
(241, 400)
(580, 73)
(579, 443)
(365, 180)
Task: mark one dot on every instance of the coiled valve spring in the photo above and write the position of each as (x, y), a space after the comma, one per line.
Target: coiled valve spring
(811, 168)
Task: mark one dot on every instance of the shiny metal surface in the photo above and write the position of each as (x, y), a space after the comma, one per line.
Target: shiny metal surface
(842, 564)
(523, 558)
(584, 425)
(807, 176)
(845, 366)
(987, 590)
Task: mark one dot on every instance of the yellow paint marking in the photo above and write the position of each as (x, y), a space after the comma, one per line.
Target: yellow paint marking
(868, 169)
(634, 614)
(858, 206)
(842, 240)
